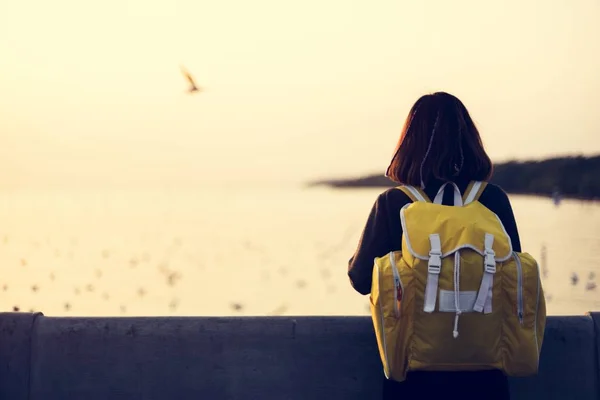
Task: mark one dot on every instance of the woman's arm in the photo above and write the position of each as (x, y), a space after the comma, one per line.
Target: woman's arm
(381, 235)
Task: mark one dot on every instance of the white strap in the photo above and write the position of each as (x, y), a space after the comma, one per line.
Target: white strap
(434, 266)
(456, 292)
(474, 189)
(415, 192)
(457, 196)
(487, 309)
(487, 282)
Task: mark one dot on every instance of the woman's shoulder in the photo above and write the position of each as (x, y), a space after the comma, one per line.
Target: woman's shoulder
(494, 197)
(494, 190)
(393, 197)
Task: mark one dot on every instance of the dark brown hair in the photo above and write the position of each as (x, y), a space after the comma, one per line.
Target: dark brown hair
(440, 141)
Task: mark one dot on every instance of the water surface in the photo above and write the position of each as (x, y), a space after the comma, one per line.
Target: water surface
(235, 251)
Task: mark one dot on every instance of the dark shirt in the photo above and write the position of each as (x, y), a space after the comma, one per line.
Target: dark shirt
(382, 234)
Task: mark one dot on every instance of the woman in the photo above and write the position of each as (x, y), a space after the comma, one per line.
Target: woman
(439, 143)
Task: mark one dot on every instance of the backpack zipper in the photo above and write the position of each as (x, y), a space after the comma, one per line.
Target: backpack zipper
(519, 287)
(399, 288)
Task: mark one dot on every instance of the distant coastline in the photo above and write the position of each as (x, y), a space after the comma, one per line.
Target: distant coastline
(576, 177)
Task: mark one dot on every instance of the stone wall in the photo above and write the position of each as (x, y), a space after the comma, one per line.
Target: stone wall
(243, 358)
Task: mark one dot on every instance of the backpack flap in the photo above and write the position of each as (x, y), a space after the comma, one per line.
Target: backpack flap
(457, 227)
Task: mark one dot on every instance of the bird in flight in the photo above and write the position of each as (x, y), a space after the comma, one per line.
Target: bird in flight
(193, 87)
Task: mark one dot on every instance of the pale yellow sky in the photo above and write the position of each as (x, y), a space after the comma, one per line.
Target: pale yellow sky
(90, 91)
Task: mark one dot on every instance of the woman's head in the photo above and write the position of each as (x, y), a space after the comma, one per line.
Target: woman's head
(439, 140)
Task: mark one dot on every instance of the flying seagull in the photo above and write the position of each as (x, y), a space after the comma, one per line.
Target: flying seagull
(193, 88)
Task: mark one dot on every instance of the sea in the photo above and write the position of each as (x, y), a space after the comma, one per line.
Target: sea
(233, 251)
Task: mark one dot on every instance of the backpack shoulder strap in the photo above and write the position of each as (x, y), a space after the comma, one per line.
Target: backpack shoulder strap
(414, 193)
(473, 191)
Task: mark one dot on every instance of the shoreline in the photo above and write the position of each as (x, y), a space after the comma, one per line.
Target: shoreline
(343, 186)
(573, 178)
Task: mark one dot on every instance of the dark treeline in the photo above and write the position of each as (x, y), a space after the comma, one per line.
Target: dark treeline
(574, 177)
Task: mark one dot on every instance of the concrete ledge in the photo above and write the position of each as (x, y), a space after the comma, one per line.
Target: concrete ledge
(568, 363)
(16, 331)
(250, 358)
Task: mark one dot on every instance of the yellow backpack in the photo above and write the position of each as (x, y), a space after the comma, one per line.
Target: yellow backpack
(457, 297)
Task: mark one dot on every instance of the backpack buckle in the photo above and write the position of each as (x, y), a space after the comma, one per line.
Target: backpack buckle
(490, 261)
(434, 266)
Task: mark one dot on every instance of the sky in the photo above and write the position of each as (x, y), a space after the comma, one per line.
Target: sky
(91, 92)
